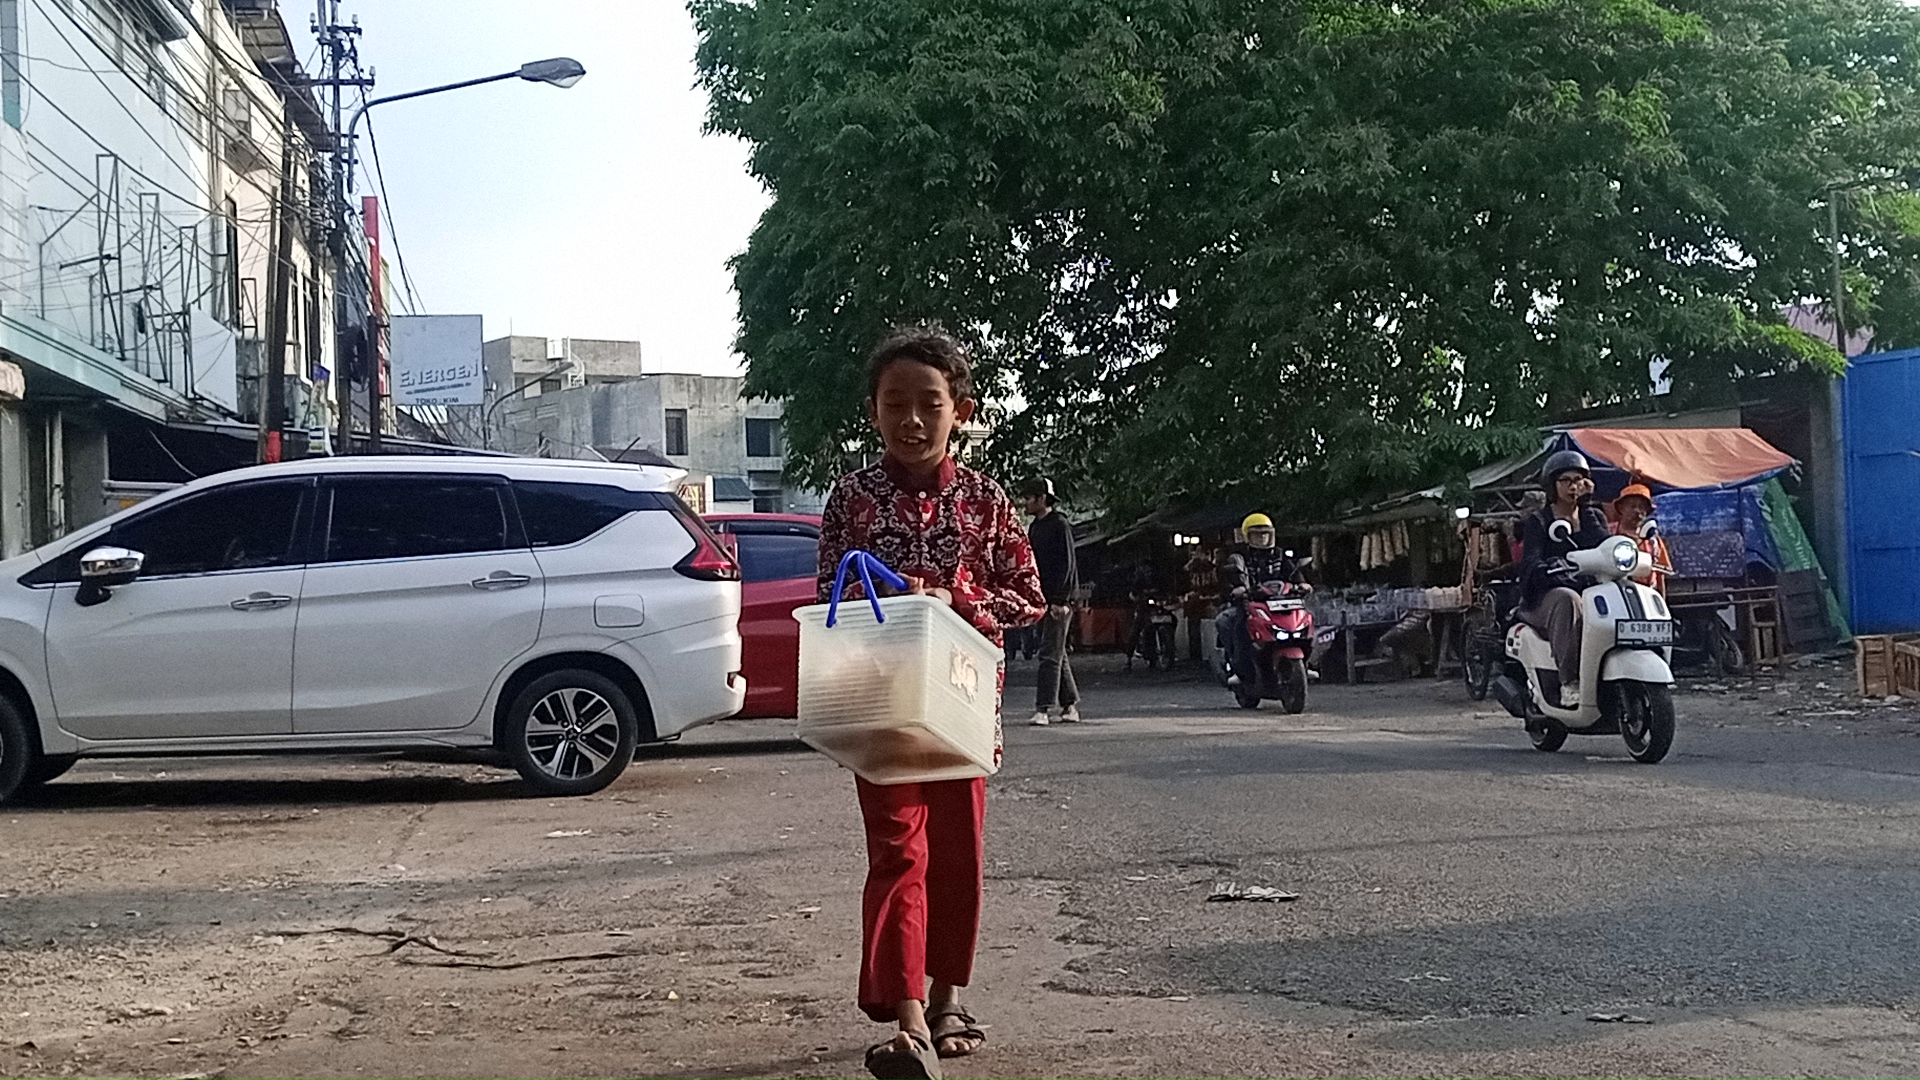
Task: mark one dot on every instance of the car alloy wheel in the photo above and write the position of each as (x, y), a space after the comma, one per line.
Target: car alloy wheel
(572, 734)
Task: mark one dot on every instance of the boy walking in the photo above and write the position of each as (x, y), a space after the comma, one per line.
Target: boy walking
(955, 536)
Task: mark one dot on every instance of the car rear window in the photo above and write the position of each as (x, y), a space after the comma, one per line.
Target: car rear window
(557, 513)
(778, 557)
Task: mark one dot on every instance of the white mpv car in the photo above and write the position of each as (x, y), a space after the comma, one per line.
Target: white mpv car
(559, 612)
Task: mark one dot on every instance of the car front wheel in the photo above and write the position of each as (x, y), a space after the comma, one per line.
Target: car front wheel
(570, 732)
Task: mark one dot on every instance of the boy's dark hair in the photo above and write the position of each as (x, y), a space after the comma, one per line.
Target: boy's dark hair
(927, 345)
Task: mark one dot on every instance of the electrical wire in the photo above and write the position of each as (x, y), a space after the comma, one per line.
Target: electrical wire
(169, 453)
(165, 150)
(414, 304)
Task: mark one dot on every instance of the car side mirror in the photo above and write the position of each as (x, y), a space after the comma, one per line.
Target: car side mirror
(105, 569)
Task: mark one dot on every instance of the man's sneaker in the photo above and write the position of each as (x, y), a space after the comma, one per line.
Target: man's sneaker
(1233, 682)
(1040, 719)
(1070, 715)
(1570, 695)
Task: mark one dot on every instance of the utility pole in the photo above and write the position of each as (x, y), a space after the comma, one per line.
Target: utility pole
(1839, 276)
(337, 40)
(376, 315)
(273, 360)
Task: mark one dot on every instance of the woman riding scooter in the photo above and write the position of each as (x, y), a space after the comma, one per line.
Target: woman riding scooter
(1550, 597)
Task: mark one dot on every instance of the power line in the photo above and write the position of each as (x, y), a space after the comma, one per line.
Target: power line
(117, 98)
(414, 304)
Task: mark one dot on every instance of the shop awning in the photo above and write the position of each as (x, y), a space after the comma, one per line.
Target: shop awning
(1684, 459)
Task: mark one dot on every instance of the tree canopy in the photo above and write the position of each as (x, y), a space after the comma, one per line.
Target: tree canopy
(1306, 247)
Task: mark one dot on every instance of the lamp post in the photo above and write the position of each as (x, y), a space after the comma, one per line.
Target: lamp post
(486, 418)
(561, 71)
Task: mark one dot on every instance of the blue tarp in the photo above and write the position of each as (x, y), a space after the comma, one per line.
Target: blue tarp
(1730, 510)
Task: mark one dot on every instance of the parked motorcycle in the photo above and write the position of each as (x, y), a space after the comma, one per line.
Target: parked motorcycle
(1152, 637)
(1281, 629)
(1627, 635)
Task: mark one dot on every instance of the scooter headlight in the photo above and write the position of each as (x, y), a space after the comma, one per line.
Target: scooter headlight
(1626, 554)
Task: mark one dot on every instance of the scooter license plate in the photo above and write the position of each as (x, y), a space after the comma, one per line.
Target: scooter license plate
(1163, 620)
(1643, 632)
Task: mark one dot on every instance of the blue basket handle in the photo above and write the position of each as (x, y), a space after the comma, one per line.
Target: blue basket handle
(867, 565)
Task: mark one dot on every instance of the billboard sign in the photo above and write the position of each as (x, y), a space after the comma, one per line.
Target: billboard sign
(436, 360)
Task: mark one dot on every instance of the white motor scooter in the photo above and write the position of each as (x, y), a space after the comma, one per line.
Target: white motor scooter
(1627, 637)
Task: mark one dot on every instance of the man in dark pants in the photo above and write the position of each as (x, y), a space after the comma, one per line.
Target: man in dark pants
(1052, 538)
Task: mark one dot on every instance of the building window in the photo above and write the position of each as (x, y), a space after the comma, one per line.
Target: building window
(226, 263)
(676, 433)
(768, 497)
(763, 438)
(10, 61)
(550, 386)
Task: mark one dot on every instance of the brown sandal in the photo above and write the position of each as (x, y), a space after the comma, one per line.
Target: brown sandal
(969, 1029)
(888, 1062)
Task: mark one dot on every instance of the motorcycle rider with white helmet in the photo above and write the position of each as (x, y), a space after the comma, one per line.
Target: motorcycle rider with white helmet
(1550, 591)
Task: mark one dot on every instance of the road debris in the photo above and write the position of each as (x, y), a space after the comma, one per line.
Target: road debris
(397, 939)
(1617, 1018)
(562, 834)
(1229, 891)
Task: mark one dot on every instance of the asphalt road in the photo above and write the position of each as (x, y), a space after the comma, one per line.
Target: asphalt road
(1465, 903)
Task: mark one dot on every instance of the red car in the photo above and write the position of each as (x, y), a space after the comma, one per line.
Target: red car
(779, 561)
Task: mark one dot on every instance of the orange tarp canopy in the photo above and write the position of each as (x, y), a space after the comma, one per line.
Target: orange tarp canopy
(1691, 458)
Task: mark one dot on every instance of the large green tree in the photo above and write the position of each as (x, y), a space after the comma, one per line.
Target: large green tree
(1305, 247)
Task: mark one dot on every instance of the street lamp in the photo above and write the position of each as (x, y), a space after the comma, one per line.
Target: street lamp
(560, 71)
(486, 418)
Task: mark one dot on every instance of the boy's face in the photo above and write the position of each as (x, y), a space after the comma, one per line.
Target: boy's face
(915, 412)
(1037, 506)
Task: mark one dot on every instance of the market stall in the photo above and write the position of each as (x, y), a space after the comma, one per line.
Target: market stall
(1746, 585)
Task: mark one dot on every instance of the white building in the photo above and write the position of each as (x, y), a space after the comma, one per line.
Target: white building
(142, 145)
(588, 399)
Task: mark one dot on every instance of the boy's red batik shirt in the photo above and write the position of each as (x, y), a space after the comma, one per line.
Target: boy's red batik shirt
(959, 531)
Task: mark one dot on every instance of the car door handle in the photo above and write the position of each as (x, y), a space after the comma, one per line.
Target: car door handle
(261, 601)
(501, 579)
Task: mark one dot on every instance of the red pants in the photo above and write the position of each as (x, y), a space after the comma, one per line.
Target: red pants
(925, 871)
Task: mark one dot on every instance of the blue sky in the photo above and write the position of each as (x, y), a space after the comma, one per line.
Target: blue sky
(598, 211)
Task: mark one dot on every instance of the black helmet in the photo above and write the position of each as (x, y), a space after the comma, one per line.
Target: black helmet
(1563, 461)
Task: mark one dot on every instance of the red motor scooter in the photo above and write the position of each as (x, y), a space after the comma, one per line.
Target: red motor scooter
(1281, 628)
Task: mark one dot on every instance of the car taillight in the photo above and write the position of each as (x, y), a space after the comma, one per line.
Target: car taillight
(709, 560)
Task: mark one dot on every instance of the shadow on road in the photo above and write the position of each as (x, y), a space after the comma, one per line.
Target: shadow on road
(721, 748)
(81, 793)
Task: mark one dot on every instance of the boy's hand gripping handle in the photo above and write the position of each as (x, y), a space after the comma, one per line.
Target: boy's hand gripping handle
(867, 566)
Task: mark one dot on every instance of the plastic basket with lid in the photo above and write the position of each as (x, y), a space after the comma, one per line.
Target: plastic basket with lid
(899, 689)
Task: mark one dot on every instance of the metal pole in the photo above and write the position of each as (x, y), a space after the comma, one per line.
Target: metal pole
(486, 418)
(273, 358)
(329, 18)
(1839, 277)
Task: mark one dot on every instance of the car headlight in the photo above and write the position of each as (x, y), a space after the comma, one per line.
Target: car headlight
(1626, 554)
